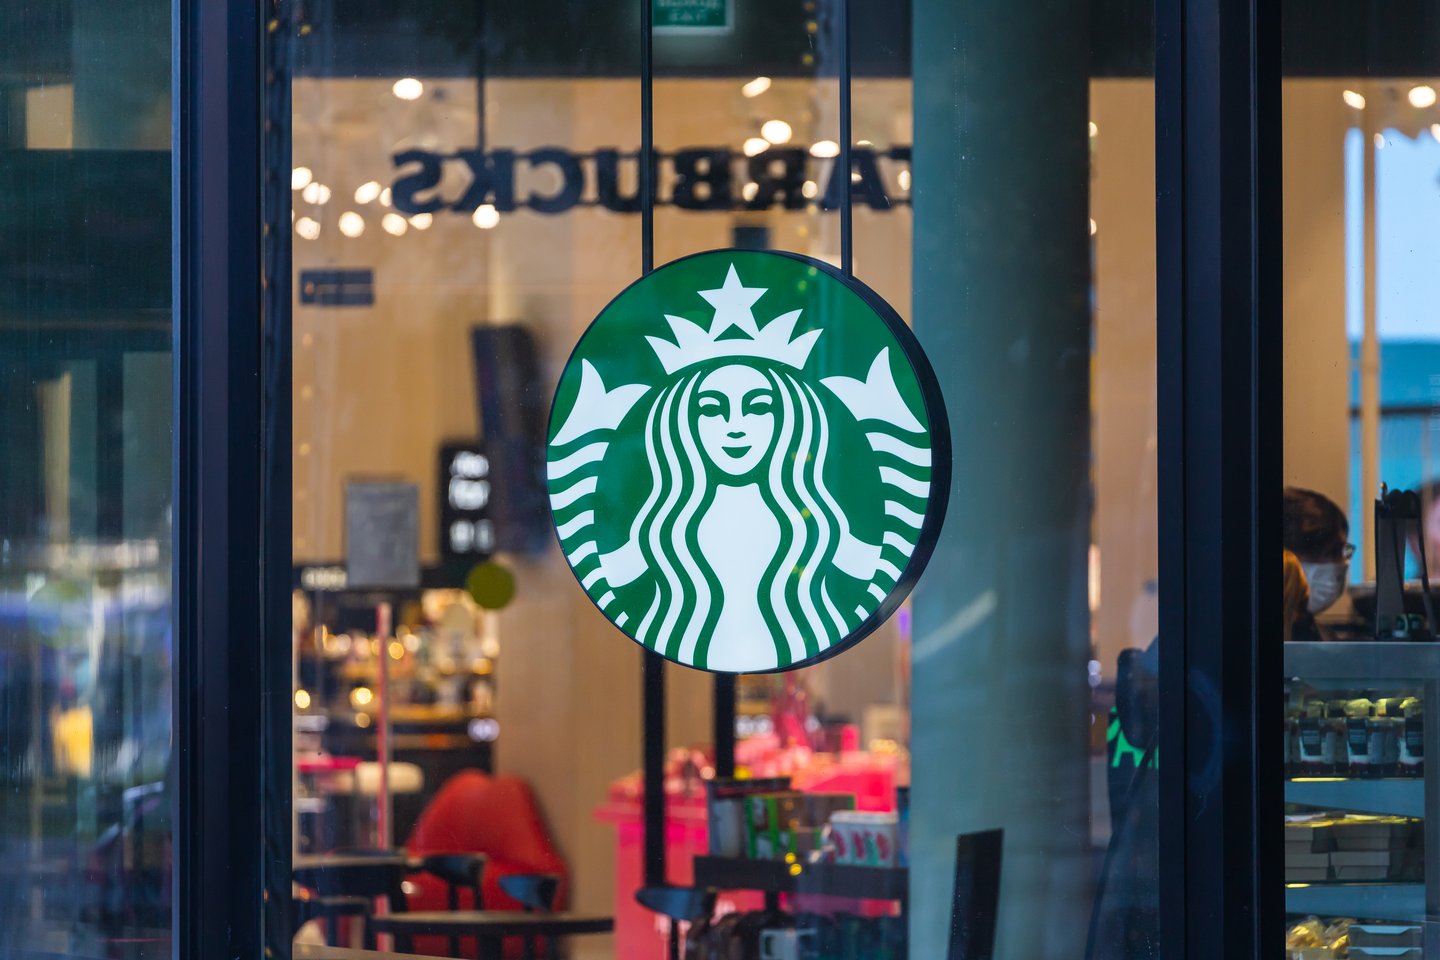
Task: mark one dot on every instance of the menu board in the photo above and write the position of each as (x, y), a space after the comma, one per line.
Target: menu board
(382, 534)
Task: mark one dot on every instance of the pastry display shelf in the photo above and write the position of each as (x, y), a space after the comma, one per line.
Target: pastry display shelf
(1397, 797)
(1359, 665)
(1364, 661)
(1374, 901)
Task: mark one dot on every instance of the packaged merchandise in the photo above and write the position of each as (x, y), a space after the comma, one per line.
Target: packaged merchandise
(864, 838)
(1411, 746)
(1357, 737)
(726, 814)
(789, 822)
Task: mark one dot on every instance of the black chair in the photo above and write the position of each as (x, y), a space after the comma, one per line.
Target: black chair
(536, 893)
(459, 871)
(311, 906)
(359, 880)
(976, 903)
(682, 905)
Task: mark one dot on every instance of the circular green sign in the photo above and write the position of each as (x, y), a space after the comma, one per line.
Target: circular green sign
(748, 461)
(490, 585)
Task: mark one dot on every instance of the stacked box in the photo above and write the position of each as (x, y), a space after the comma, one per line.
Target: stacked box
(1307, 850)
(1375, 848)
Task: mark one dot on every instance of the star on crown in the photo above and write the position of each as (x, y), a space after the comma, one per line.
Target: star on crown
(733, 302)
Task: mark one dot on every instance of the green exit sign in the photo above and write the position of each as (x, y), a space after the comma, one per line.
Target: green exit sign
(691, 16)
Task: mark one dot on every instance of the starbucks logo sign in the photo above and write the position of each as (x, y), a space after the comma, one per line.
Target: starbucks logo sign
(748, 461)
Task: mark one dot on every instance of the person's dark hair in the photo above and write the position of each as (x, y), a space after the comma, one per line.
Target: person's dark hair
(1315, 527)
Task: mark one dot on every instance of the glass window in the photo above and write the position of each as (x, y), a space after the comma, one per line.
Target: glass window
(466, 201)
(1361, 141)
(85, 480)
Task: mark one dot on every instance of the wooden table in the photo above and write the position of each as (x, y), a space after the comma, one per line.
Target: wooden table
(307, 951)
(491, 927)
(310, 864)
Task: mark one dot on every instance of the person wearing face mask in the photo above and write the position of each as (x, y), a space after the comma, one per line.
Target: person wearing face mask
(1316, 534)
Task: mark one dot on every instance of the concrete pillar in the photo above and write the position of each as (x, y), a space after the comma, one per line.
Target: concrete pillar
(1001, 304)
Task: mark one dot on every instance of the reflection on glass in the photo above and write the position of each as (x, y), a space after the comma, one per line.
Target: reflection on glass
(85, 419)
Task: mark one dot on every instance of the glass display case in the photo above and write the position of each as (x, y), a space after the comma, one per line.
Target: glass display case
(1357, 855)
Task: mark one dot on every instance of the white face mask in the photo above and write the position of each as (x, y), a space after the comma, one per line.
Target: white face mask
(1327, 583)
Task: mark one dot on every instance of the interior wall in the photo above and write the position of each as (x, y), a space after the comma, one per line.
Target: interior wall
(1122, 204)
(1317, 354)
(378, 388)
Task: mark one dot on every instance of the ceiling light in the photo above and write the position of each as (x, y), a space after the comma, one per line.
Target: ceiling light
(408, 88)
(351, 223)
(394, 224)
(776, 131)
(1353, 100)
(367, 191)
(756, 87)
(755, 145)
(1094, 129)
(825, 148)
(307, 228)
(422, 221)
(299, 177)
(1422, 96)
(750, 190)
(315, 192)
(486, 216)
(810, 189)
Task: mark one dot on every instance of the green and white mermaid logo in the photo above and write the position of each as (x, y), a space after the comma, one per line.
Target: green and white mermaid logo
(740, 495)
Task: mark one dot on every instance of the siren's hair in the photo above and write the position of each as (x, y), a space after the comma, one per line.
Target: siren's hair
(794, 598)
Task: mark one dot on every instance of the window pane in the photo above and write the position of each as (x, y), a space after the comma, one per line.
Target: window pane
(1034, 660)
(85, 479)
(1362, 369)
(465, 189)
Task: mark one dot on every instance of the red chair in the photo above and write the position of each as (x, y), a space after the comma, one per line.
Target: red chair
(477, 813)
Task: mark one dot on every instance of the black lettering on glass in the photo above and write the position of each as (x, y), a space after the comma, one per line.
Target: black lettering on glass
(778, 173)
(707, 169)
(607, 182)
(866, 187)
(492, 180)
(404, 190)
(572, 181)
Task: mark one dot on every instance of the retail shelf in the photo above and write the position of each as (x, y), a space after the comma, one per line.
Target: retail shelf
(1405, 798)
(1371, 901)
(776, 876)
(1363, 661)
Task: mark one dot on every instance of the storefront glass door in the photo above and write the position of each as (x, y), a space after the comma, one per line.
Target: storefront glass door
(466, 199)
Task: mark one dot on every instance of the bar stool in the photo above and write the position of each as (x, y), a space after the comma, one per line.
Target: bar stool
(681, 904)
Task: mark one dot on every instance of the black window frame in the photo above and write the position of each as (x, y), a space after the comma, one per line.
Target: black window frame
(1218, 327)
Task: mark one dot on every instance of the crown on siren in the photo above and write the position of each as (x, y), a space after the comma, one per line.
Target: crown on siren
(733, 302)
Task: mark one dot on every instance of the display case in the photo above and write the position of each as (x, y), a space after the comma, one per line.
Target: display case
(1358, 788)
